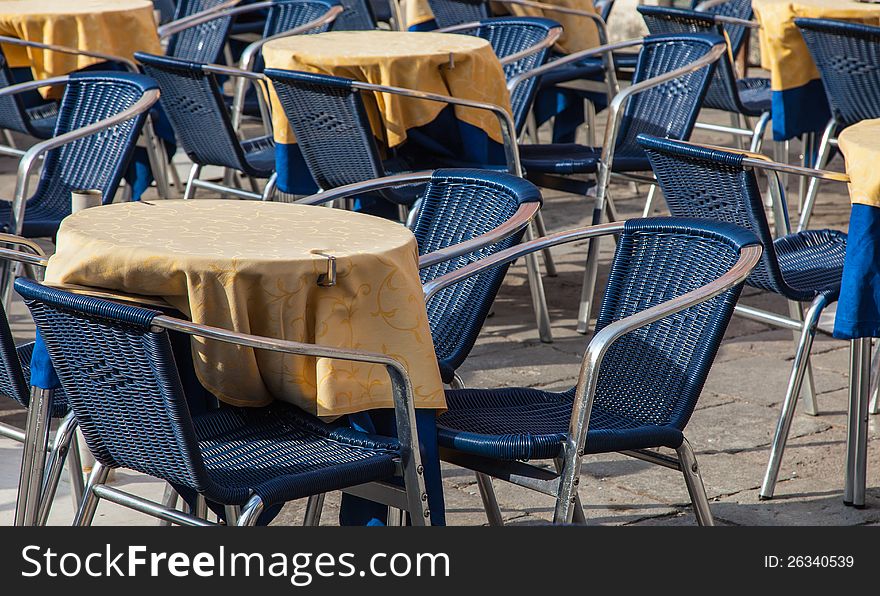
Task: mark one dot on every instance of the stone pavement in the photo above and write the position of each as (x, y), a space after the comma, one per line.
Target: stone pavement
(730, 431)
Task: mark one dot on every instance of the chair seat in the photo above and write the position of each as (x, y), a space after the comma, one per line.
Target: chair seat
(43, 120)
(589, 68)
(281, 453)
(754, 95)
(811, 262)
(260, 155)
(571, 158)
(524, 424)
(38, 221)
(59, 400)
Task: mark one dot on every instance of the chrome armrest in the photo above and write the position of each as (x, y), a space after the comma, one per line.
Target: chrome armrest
(552, 37)
(32, 246)
(29, 160)
(603, 340)
(11, 254)
(204, 16)
(14, 41)
(242, 76)
(350, 190)
(735, 21)
(517, 222)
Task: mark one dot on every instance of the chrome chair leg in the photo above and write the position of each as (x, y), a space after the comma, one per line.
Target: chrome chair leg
(549, 263)
(757, 142)
(490, 503)
(33, 457)
(314, 507)
(796, 310)
(57, 456)
(539, 298)
(578, 516)
(251, 511)
(799, 368)
(169, 500)
(89, 504)
(75, 472)
(649, 202)
(874, 408)
(190, 191)
(271, 186)
(232, 514)
(813, 188)
(200, 509)
(396, 517)
(857, 423)
(694, 481)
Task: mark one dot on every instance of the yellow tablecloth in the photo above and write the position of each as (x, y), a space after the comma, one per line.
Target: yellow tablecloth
(783, 51)
(579, 33)
(860, 145)
(457, 65)
(253, 267)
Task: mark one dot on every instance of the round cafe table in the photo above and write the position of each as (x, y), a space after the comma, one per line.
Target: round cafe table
(256, 267)
(116, 27)
(460, 66)
(798, 98)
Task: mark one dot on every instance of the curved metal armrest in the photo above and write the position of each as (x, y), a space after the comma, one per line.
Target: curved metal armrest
(14, 41)
(553, 36)
(204, 16)
(30, 157)
(517, 222)
(735, 21)
(37, 259)
(350, 190)
(602, 341)
(34, 85)
(32, 246)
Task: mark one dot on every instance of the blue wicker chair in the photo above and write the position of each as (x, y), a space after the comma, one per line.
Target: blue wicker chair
(847, 56)
(199, 29)
(668, 88)
(739, 96)
(99, 121)
(118, 371)
(672, 289)
(737, 10)
(804, 267)
(37, 121)
(15, 373)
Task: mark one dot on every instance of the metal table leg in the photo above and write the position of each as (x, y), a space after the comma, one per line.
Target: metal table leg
(857, 423)
(33, 459)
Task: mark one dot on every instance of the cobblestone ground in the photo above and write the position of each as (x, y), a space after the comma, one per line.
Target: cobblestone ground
(730, 431)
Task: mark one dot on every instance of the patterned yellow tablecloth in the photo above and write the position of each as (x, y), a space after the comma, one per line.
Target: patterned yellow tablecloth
(461, 66)
(253, 267)
(117, 27)
(579, 33)
(860, 145)
(783, 51)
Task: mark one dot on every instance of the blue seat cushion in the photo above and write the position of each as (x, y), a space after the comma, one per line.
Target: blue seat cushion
(589, 68)
(811, 261)
(38, 222)
(571, 158)
(260, 155)
(524, 424)
(754, 94)
(59, 399)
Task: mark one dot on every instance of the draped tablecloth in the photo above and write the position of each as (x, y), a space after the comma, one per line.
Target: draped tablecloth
(858, 312)
(117, 27)
(579, 32)
(798, 98)
(253, 267)
(460, 66)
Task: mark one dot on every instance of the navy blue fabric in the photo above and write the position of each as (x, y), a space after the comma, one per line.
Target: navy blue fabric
(356, 511)
(43, 374)
(858, 312)
(570, 158)
(799, 110)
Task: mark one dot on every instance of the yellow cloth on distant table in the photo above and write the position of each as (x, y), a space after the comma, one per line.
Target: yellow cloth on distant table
(253, 267)
(783, 51)
(860, 145)
(460, 66)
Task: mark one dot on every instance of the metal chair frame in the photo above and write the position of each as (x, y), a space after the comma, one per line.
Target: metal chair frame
(36, 152)
(64, 443)
(563, 484)
(803, 325)
(158, 162)
(508, 133)
(616, 108)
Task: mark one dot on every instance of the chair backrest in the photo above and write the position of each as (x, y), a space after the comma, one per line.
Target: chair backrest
(204, 42)
(166, 10)
(670, 109)
(458, 205)
(97, 161)
(604, 7)
(331, 126)
(195, 106)
(122, 383)
(713, 184)
(13, 383)
(848, 58)
(738, 9)
(358, 16)
(722, 93)
(655, 374)
(289, 14)
(457, 12)
(508, 36)
(12, 112)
